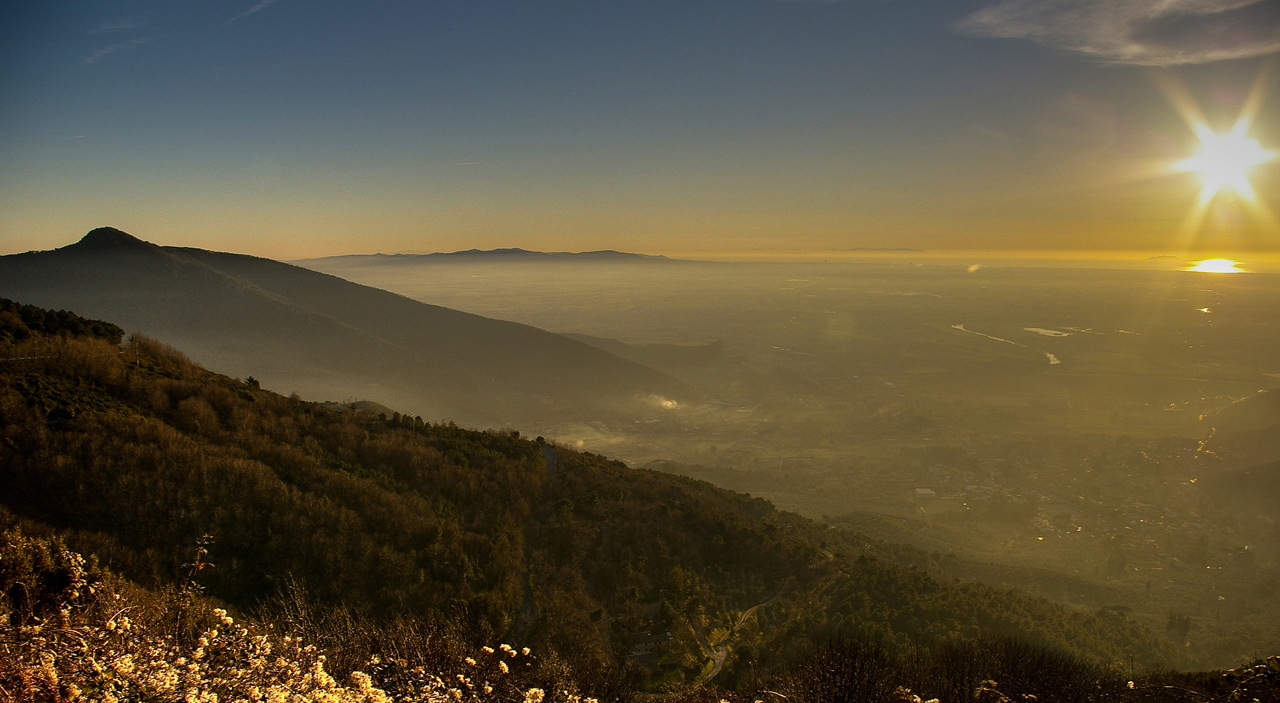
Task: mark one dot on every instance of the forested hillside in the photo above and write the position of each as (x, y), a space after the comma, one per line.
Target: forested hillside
(137, 456)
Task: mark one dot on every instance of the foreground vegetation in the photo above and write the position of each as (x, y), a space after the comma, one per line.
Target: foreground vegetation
(72, 631)
(400, 548)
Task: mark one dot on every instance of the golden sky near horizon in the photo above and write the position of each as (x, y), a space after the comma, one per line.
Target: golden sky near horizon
(295, 131)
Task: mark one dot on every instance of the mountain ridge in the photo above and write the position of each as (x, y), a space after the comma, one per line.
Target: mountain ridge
(298, 329)
(507, 254)
(110, 238)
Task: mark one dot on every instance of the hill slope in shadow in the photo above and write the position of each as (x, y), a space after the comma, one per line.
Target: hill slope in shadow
(327, 338)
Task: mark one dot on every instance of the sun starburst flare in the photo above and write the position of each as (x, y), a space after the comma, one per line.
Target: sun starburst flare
(1224, 161)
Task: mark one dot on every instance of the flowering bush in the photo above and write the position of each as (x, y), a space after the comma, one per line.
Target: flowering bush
(69, 632)
(68, 635)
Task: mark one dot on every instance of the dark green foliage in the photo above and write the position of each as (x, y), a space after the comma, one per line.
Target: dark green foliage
(45, 583)
(845, 671)
(996, 670)
(1023, 672)
(37, 578)
(1178, 627)
(990, 669)
(163, 452)
(19, 322)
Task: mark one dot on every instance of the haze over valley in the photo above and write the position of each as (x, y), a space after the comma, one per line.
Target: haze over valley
(1088, 423)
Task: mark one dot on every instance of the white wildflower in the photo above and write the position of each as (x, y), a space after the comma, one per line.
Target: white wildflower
(124, 665)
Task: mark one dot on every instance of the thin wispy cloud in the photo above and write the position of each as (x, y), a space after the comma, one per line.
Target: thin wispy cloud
(106, 51)
(1142, 32)
(256, 8)
(118, 26)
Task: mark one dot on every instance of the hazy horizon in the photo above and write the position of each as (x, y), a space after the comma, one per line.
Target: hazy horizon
(1246, 261)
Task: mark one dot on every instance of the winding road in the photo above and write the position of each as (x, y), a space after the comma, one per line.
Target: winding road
(719, 655)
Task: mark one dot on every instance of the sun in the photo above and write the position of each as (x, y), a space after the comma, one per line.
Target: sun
(1224, 161)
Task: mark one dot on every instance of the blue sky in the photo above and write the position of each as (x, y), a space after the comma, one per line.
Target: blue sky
(294, 128)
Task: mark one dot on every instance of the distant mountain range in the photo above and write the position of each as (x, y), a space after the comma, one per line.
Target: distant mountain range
(493, 255)
(330, 339)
